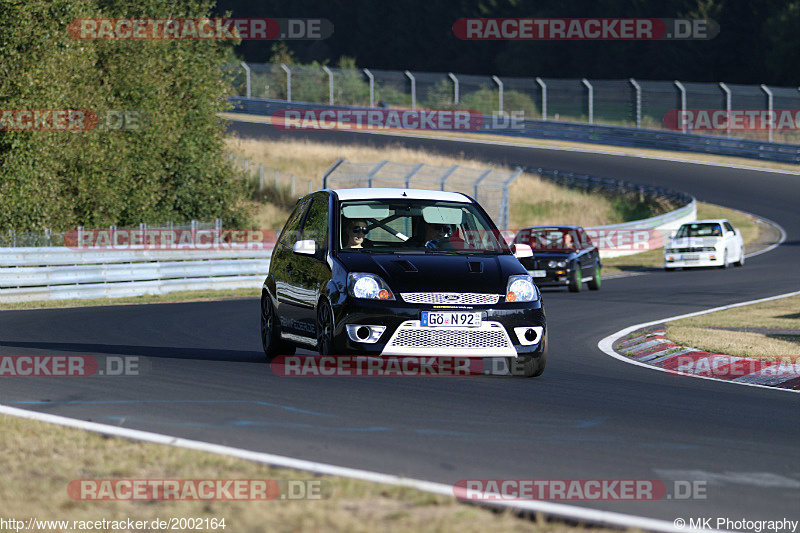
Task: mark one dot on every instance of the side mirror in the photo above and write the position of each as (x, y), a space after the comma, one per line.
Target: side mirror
(305, 247)
(521, 251)
(672, 234)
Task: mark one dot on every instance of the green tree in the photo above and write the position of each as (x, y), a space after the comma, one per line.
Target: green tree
(172, 168)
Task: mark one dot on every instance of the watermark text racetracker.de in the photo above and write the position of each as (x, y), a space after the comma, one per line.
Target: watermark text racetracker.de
(732, 120)
(149, 238)
(737, 524)
(72, 120)
(260, 29)
(384, 119)
(578, 489)
(395, 366)
(722, 366)
(584, 29)
(73, 366)
(198, 489)
(106, 239)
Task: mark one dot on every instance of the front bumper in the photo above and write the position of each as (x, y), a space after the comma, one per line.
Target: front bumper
(693, 259)
(552, 276)
(501, 334)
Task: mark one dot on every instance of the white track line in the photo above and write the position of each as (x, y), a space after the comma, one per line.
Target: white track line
(771, 247)
(607, 344)
(550, 508)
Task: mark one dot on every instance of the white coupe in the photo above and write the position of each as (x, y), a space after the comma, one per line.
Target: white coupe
(705, 243)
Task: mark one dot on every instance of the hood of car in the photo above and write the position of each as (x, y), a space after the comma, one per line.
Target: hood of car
(692, 242)
(437, 272)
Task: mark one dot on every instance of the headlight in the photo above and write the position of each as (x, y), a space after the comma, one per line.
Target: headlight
(556, 264)
(521, 289)
(671, 251)
(368, 286)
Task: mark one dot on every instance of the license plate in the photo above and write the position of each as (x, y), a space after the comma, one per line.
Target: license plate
(693, 257)
(538, 273)
(449, 318)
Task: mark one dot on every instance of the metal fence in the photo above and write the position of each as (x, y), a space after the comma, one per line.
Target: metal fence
(262, 177)
(488, 186)
(631, 102)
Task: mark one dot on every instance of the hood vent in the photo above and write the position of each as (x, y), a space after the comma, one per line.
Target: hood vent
(406, 266)
(475, 267)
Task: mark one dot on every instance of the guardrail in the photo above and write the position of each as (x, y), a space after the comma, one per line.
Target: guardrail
(654, 139)
(580, 132)
(62, 273)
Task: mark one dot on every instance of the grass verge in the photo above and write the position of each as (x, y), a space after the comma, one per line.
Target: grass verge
(533, 201)
(767, 330)
(42, 459)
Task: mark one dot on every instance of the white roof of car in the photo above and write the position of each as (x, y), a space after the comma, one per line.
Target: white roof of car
(706, 221)
(383, 193)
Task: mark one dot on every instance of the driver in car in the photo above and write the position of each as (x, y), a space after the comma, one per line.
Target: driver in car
(432, 235)
(353, 233)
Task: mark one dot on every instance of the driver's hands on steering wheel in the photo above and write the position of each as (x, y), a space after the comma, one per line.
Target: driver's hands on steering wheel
(432, 244)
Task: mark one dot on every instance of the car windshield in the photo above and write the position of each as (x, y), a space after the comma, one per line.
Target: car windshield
(543, 239)
(417, 226)
(703, 229)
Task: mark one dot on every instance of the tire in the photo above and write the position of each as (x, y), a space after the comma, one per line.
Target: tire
(529, 366)
(669, 269)
(270, 332)
(523, 366)
(575, 280)
(324, 328)
(740, 262)
(594, 284)
(725, 263)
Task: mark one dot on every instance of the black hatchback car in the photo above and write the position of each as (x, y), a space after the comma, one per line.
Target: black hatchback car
(396, 272)
(562, 256)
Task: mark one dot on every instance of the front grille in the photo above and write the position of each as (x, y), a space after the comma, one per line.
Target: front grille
(450, 338)
(489, 340)
(687, 250)
(443, 298)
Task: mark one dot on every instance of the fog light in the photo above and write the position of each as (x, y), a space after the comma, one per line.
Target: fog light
(366, 334)
(529, 335)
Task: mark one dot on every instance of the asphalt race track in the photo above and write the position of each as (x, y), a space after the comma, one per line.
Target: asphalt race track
(588, 417)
